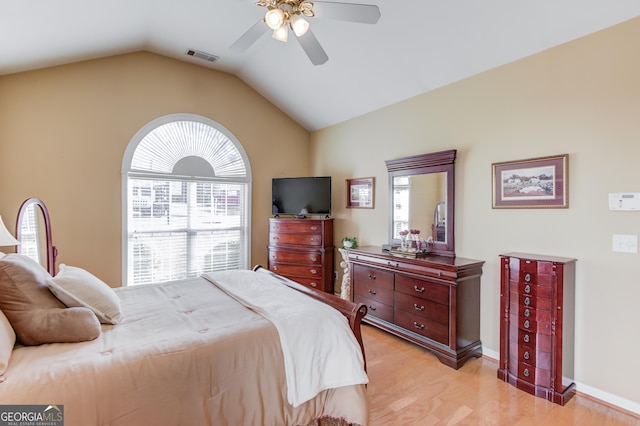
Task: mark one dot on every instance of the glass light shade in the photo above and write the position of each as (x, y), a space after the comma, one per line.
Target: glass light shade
(274, 18)
(6, 239)
(299, 25)
(282, 33)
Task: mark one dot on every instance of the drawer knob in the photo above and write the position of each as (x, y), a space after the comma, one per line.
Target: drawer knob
(526, 338)
(373, 308)
(526, 372)
(418, 308)
(373, 292)
(275, 267)
(419, 290)
(314, 240)
(527, 288)
(313, 271)
(275, 257)
(526, 355)
(418, 326)
(314, 285)
(527, 278)
(314, 228)
(527, 301)
(527, 324)
(314, 259)
(372, 276)
(527, 313)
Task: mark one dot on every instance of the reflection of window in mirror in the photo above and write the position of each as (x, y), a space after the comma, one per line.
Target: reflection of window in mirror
(440, 222)
(415, 198)
(401, 192)
(29, 234)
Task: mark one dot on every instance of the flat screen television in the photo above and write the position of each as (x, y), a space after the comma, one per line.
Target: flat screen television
(301, 196)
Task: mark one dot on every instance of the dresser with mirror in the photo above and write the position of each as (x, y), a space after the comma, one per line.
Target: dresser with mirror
(420, 290)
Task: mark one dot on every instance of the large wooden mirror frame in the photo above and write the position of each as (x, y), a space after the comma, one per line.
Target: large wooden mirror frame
(442, 231)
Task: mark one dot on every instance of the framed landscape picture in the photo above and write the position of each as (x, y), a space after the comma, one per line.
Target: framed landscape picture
(533, 183)
(360, 193)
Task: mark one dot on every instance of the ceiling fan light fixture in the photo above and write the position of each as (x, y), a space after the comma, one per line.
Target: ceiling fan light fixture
(282, 33)
(299, 25)
(274, 18)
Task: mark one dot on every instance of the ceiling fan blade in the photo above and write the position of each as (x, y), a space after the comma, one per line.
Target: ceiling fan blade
(252, 35)
(312, 48)
(363, 13)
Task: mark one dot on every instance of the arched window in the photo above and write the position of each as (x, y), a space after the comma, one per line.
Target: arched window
(186, 184)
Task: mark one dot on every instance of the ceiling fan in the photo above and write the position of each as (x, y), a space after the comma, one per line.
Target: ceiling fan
(283, 15)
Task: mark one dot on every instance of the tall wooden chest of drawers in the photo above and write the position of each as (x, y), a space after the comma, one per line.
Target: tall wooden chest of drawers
(432, 301)
(537, 295)
(302, 250)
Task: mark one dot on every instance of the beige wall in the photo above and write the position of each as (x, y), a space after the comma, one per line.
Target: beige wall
(582, 98)
(64, 130)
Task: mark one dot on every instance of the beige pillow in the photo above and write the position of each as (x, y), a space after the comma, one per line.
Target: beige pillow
(34, 313)
(76, 287)
(7, 341)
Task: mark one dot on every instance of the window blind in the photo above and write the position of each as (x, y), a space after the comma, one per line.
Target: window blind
(179, 223)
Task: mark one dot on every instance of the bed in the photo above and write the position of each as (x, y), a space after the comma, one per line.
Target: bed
(226, 348)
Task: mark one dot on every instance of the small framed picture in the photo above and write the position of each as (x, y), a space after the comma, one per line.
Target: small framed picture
(534, 183)
(360, 193)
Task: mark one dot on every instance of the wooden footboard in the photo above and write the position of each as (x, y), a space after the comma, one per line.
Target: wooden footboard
(353, 311)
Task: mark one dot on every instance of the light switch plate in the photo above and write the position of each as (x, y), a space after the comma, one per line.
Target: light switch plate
(625, 243)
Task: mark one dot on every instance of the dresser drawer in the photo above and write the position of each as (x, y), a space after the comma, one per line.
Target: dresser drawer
(530, 289)
(423, 308)
(527, 312)
(530, 373)
(530, 355)
(282, 256)
(425, 327)
(540, 303)
(373, 290)
(530, 325)
(541, 342)
(438, 293)
(308, 240)
(375, 308)
(373, 277)
(532, 271)
(297, 270)
(295, 227)
(309, 282)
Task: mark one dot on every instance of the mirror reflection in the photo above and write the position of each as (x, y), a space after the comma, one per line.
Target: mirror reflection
(419, 202)
(33, 230)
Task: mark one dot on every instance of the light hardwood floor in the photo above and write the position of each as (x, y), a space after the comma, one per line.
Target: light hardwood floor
(409, 386)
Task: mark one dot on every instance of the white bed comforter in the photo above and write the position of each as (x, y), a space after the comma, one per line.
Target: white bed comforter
(320, 351)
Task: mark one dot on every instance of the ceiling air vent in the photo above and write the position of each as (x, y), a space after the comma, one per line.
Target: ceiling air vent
(202, 55)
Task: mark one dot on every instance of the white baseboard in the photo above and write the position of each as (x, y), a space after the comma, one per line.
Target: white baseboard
(609, 398)
(491, 354)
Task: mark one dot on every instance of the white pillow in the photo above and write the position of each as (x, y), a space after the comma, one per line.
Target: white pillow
(76, 287)
(2, 255)
(7, 341)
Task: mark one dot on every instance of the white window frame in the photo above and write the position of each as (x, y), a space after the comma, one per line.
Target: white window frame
(126, 170)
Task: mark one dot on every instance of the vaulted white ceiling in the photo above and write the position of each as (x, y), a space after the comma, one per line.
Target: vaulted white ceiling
(416, 46)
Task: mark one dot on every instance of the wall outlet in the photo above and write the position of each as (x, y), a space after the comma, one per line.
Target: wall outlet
(335, 275)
